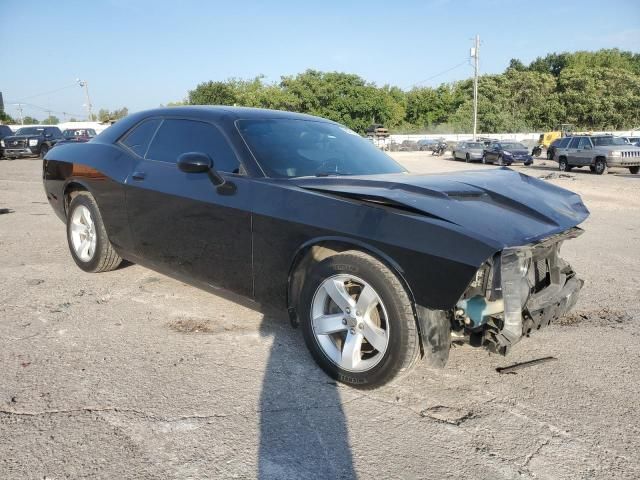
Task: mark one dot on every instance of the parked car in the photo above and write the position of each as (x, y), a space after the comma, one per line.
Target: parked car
(77, 135)
(30, 141)
(468, 151)
(506, 153)
(598, 152)
(426, 144)
(409, 146)
(5, 131)
(378, 266)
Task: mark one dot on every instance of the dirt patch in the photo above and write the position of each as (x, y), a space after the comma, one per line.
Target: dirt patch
(604, 316)
(445, 414)
(191, 325)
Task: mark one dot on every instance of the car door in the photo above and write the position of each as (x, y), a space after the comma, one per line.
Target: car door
(572, 151)
(584, 151)
(463, 150)
(182, 222)
(494, 152)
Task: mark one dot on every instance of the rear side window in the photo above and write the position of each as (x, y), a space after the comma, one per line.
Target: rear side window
(574, 142)
(139, 138)
(177, 136)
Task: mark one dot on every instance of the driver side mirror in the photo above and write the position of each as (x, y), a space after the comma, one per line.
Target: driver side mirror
(197, 162)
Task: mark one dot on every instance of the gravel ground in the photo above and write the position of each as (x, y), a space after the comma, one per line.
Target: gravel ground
(131, 374)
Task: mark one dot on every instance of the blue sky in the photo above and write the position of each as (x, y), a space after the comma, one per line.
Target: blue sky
(140, 54)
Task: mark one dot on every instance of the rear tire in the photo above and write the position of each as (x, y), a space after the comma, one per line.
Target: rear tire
(87, 238)
(634, 170)
(358, 277)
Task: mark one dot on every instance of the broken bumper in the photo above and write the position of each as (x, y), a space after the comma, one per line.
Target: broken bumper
(541, 313)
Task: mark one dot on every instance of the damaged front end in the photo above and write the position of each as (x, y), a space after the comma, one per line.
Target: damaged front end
(518, 291)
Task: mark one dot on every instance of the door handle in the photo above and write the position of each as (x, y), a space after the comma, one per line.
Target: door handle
(138, 175)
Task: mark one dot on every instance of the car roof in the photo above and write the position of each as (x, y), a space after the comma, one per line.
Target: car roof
(202, 112)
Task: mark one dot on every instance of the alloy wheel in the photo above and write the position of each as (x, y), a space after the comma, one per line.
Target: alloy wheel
(350, 322)
(83, 233)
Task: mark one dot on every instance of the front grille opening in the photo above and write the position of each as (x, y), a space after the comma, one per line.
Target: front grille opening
(542, 276)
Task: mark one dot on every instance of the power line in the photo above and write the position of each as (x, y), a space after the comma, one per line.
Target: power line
(45, 93)
(45, 109)
(466, 62)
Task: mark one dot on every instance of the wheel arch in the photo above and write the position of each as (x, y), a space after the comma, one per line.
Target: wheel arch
(315, 250)
(70, 190)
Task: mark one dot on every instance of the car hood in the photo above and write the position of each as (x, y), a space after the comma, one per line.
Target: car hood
(500, 206)
(20, 137)
(618, 148)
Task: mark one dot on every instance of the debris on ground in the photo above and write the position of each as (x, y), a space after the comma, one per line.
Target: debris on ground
(521, 365)
(555, 175)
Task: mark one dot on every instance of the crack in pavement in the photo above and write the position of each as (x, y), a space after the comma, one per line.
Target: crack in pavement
(154, 417)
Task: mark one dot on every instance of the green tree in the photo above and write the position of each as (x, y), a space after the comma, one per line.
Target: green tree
(5, 118)
(30, 120)
(105, 115)
(51, 120)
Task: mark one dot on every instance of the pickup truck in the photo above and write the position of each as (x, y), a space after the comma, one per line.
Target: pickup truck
(30, 141)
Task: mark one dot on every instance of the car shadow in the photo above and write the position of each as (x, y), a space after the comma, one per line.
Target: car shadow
(303, 429)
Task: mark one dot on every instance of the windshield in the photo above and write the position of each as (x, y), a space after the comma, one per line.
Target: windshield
(513, 146)
(297, 148)
(85, 132)
(604, 141)
(30, 131)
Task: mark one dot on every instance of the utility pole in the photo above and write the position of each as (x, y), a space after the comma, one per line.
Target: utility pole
(475, 54)
(85, 85)
(19, 108)
(49, 117)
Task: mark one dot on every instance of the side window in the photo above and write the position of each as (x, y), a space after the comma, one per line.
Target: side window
(176, 137)
(584, 142)
(139, 138)
(564, 142)
(574, 142)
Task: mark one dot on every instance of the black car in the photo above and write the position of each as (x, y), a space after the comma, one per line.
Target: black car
(30, 141)
(378, 266)
(506, 153)
(5, 131)
(77, 135)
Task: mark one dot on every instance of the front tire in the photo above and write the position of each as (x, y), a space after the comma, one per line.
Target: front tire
(87, 238)
(43, 151)
(600, 166)
(467, 158)
(563, 165)
(357, 320)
